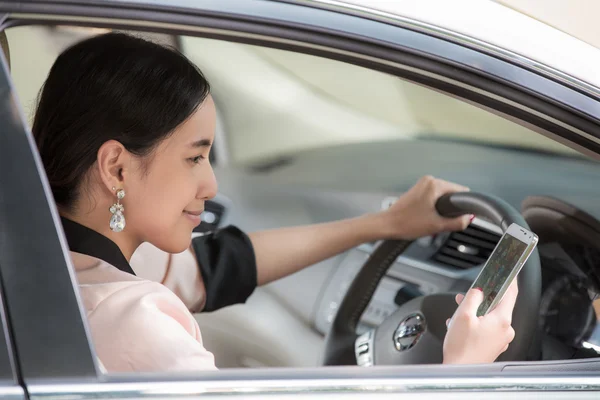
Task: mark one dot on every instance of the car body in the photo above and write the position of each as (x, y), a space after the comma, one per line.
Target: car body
(530, 82)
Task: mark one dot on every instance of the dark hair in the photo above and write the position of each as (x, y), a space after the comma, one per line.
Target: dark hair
(112, 86)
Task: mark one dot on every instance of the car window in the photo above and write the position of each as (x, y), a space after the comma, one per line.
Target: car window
(298, 119)
(44, 44)
(283, 102)
(309, 122)
(280, 102)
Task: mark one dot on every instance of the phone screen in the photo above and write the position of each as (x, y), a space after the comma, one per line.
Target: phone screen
(498, 268)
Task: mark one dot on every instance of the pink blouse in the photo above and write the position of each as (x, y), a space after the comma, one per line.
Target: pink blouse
(143, 323)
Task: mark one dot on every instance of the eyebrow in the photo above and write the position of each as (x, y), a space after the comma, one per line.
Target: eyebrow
(201, 143)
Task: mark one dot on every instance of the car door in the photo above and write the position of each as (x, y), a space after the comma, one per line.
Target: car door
(56, 358)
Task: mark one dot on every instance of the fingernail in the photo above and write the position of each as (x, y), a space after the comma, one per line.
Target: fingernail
(472, 217)
(478, 288)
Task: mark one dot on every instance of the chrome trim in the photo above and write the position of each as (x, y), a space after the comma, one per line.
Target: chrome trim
(424, 266)
(363, 349)
(460, 39)
(481, 223)
(409, 331)
(174, 388)
(591, 346)
(12, 393)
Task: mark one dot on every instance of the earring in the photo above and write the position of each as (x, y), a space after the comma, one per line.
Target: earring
(117, 221)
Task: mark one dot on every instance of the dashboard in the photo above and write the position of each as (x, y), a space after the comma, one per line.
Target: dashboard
(324, 184)
(442, 263)
(450, 262)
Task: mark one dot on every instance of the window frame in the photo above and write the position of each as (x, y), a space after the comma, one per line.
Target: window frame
(442, 65)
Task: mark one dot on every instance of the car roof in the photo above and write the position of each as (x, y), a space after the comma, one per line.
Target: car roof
(483, 24)
(479, 23)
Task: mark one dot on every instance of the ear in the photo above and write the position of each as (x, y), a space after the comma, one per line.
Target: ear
(113, 162)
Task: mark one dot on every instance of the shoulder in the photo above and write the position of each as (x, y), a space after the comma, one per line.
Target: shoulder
(139, 325)
(143, 326)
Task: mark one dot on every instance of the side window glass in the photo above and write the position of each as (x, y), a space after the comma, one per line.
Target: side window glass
(280, 103)
(44, 44)
(317, 124)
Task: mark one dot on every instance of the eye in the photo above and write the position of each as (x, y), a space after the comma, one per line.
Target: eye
(196, 159)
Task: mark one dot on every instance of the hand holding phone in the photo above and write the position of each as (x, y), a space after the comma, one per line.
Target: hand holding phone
(477, 340)
(479, 331)
(503, 265)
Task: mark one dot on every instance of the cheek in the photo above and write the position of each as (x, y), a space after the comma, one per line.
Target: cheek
(161, 199)
(168, 228)
(155, 209)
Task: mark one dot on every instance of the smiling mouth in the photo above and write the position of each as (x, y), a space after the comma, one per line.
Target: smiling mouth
(196, 213)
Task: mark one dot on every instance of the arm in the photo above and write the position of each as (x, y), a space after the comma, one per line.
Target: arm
(281, 252)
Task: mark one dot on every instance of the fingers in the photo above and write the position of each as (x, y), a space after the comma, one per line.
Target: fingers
(443, 187)
(460, 223)
(459, 298)
(505, 309)
(437, 188)
(446, 187)
(510, 336)
(471, 301)
(426, 193)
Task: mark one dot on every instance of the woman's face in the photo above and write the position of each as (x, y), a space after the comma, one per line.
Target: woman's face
(163, 201)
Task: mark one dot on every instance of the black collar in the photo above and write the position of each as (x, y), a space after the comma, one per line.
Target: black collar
(84, 240)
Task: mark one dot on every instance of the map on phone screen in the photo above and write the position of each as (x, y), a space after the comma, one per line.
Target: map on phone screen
(498, 268)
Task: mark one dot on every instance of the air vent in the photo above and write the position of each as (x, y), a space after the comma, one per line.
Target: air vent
(468, 248)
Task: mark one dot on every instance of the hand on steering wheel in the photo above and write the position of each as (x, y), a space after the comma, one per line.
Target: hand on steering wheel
(414, 215)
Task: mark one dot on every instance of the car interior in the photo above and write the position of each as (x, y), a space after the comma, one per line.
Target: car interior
(303, 139)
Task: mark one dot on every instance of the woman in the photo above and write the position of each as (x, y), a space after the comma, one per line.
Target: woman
(124, 128)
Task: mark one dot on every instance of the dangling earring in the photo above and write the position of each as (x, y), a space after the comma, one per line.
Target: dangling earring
(117, 221)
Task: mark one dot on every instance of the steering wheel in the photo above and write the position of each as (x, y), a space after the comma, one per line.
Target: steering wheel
(414, 334)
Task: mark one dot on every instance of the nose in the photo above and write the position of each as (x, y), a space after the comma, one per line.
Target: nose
(208, 186)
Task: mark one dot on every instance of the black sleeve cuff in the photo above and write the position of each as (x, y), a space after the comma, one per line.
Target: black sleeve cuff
(228, 266)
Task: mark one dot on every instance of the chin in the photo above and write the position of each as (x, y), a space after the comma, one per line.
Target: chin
(175, 239)
(175, 246)
(181, 246)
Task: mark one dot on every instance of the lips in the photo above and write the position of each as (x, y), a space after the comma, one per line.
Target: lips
(193, 216)
(196, 213)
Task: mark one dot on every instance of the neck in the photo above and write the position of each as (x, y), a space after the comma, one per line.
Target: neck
(126, 241)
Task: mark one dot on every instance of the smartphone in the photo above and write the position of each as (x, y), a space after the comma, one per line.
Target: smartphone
(503, 265)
